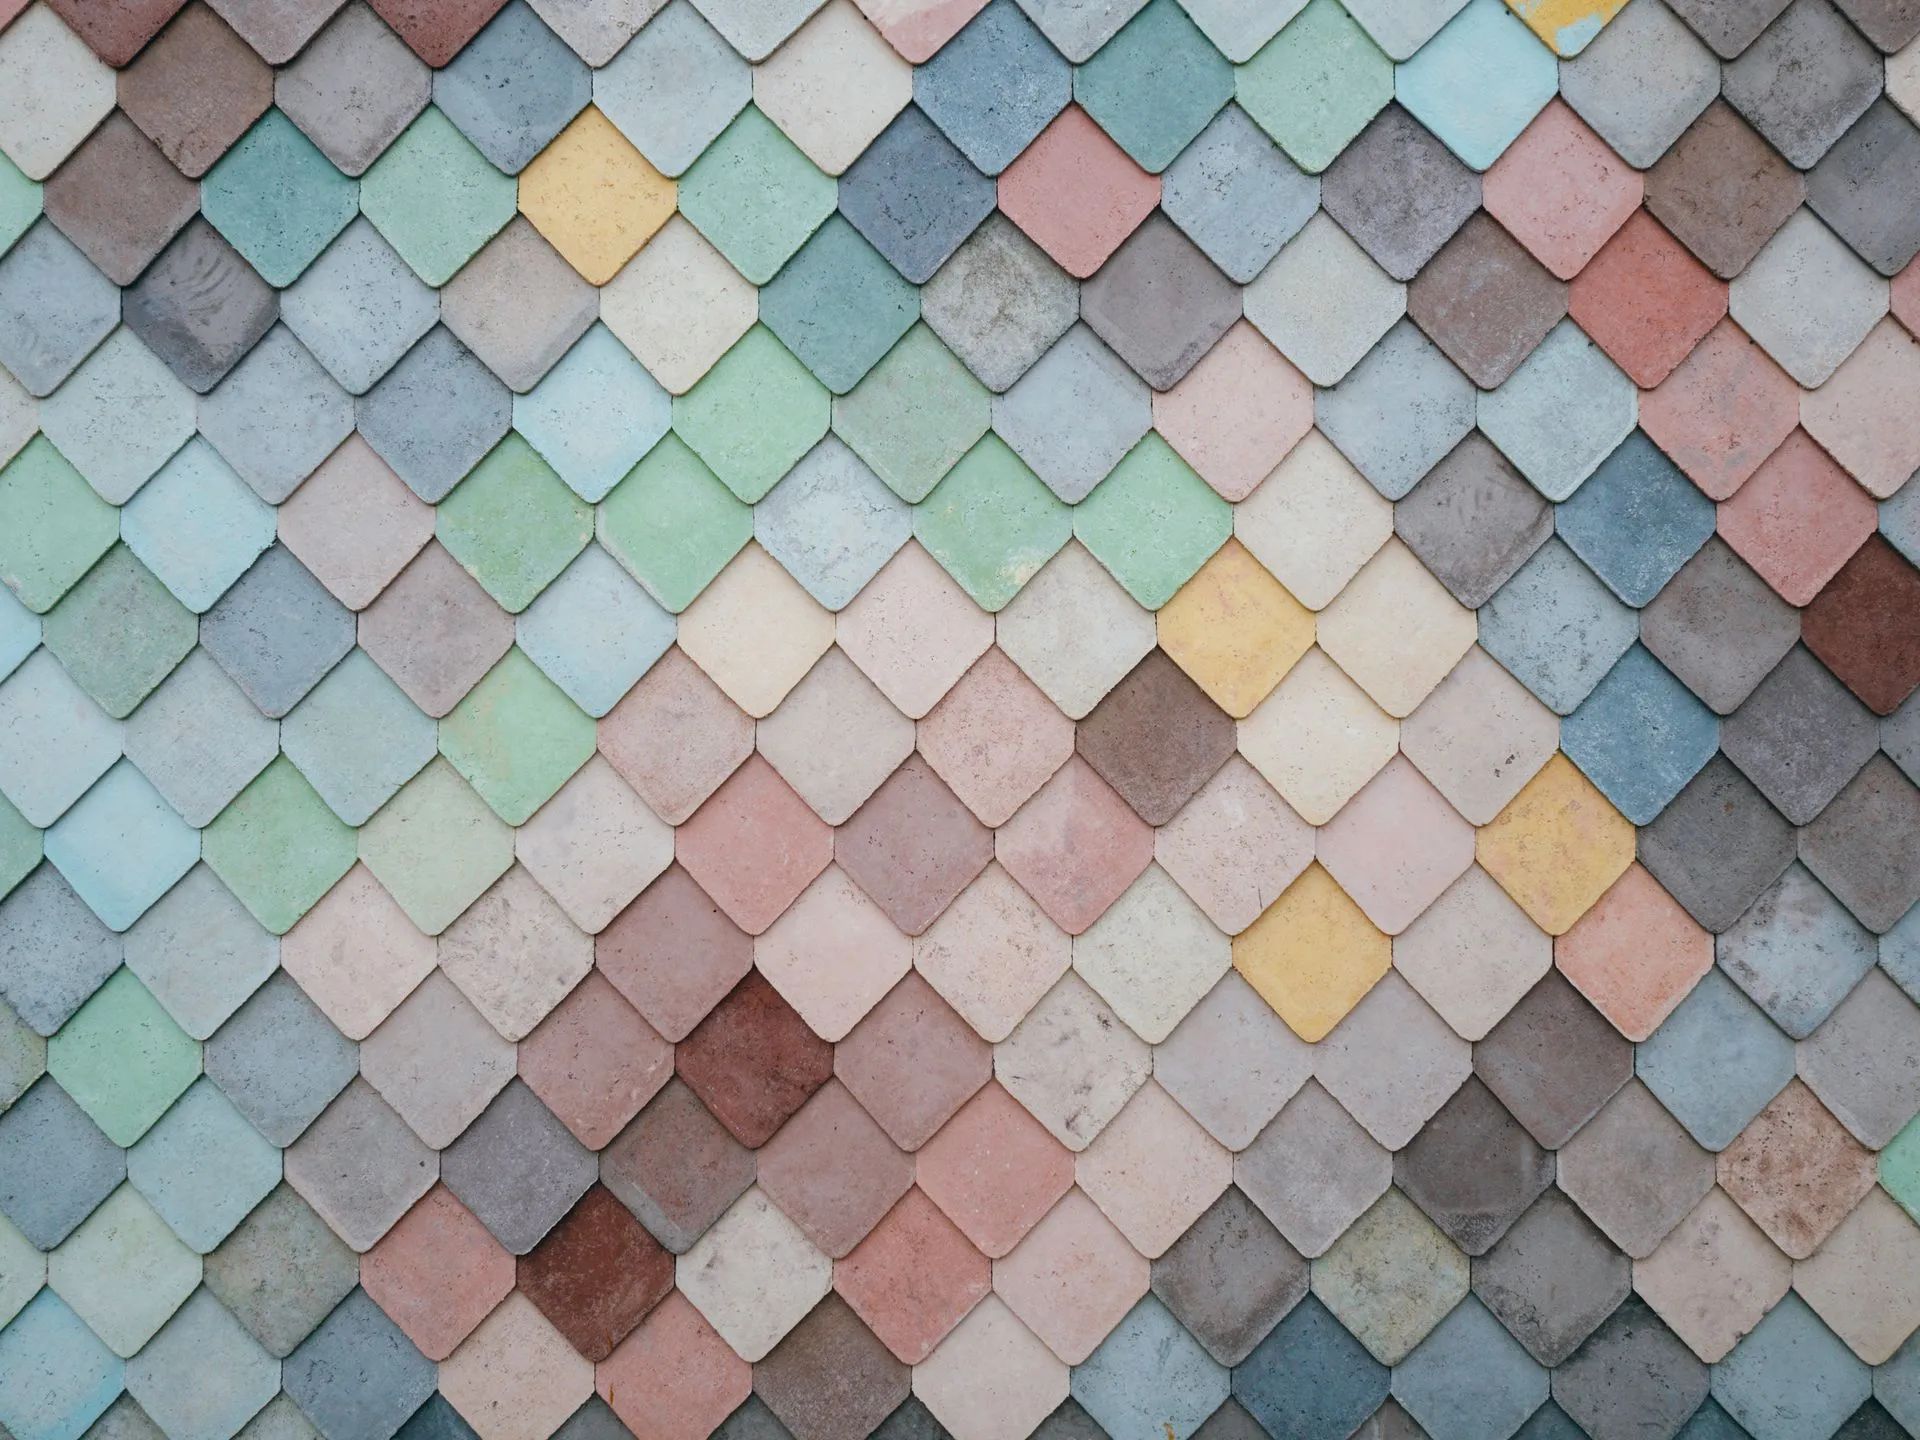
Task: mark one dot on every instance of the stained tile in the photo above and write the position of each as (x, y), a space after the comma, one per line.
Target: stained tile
(1790, 1343)
(353, 89)
(322, 1376)
(1391, 1278)
(282, 1272)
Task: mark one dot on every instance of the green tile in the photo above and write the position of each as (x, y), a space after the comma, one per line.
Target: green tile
(839, 306)
(52, 526)
(1153, 522)
(277, 199)
(991, 524)
(514, 524)
(20, 847)
(436, 847)
(1900, 1168)
(19, 203)
(436, 198)
(753, 414)
(120, 632)
(122, 1058)
(278, 847)
(673, 524)
(1155, 85)
(1316, 84)
(755, 196)
(516, 738)
(914, 415)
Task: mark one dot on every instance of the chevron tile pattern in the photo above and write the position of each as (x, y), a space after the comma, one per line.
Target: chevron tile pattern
(959, 719)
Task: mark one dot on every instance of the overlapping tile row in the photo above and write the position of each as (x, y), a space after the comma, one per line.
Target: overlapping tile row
(959, 718)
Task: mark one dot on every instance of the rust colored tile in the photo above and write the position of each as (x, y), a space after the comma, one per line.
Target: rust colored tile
(1646, 301)
(754, 846)
(913, 1278)
(833, 1171)
(754, 1062)
(1156, 738)
(673, 953)
(119, 199)
(196, 89)
(115, 30)
(913, 846)
(597, 1274)
(1866, 626)
(1796, 1171)
(437, 30)
(831, 1377)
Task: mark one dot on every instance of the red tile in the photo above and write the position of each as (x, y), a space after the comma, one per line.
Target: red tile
(597, 1274)
(1865, 626)
(437, 1273)
(1077, 193)
(753, 1062)
(1646, 301)
(437, 30)
(115, 30)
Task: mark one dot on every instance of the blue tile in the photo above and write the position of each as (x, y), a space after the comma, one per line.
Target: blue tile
(1556, 628)
(1797, 952)
(915, 196)
(203, 1167)
(594, 632)
(1637, 520)
(1791, 1378)
(513, 88)
(197, 525)
(838, 305)
(1237, 195)
(55, 1165)
(358, 1377)
(1309, 1379)
(1716, 1061)
(56, 1378)
(832, 523)
(357, 738)
(122, 846)
(994, 86)
(1640, 736)
(1150, 1378)
(1469, 1379)
(594, 415)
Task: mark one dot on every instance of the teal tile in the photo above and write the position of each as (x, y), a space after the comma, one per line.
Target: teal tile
(435, 198)
(278, 199)
(1155, 85)
(838, 305)
(56, 1378)
(357, 738)
(755, 196)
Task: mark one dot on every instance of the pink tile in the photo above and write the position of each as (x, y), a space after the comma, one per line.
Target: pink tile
(1237, 413)
(1635, 954)
(674, 1378)
(995, 738)
(1077, 193)
(1075, 847)
(1560, 190)
(675, 737)
(595, 1062)
(674, 953)
(1396, 846)
(994, 1170)
(1798, 519)
(913, 1278)
(437, 1273)
(754, 846)
(1723, 410)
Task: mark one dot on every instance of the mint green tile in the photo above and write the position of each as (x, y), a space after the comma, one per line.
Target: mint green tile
(516, 738)
(673, 525)
(278, 847)
(435, 198)
(277, 199)
(754, 414)
(19, 203)
(991, 524)
(514, 524)
(1316, 84)
(120, 632)
(755, 196)
(1900, 1168)
(20, 847)
(436, 847)
(52, 525)
(122, 1058)
(1153, 522)
(914, 415)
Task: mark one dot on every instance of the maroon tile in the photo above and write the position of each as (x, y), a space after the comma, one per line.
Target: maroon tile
(1866, 626)
(597, 1274)
(753, 1061)
(437, 30)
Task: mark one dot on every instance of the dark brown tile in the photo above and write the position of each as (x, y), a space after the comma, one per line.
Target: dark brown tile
(1865, 626)
(1156, 738)
(196, 89)
(119, 199)
(753, 1061)
(1554, 1061)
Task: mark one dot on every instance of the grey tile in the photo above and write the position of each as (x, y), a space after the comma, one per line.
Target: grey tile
(1797, 952)
(354, 88)
(280, 1060)
(1718, 845)
(55, 1165)
(1890, 24)
(1553, 1279)
(1473, 520)
(282, 1271)
(1805, 80)
(1632, 1377)
(1555, 628)
(999, 303)
(1553, 1061)
(1160, 303)
(673, 88)
(1800, 736)
(54, 951)
(1313, 1171)
(1791, 1376)
(1864, 845)
(1719, 627)
(1397, 412)
(518, 306)
(994, 86)
(1230, 1278)
(518, 1169)
(203, 1373)
(277, 632)
(435, 414)
(915, 196)
(276, 416)
(1470, 1377)
(200, 306)
(1723, 190)
(1716, 1061)
(1237, 195)
(1867, 188)
(1473, 1168)
(359, 307)
(1399, 192)
(358, 1377)
(1641, 81)
(360, 1167)
(1634, 1170)
(513, 87)
(1861, 1061)
(1729, 26)
(1486, 302)
(54, 308)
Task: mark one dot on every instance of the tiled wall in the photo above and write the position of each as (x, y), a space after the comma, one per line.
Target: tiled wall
(959, 719)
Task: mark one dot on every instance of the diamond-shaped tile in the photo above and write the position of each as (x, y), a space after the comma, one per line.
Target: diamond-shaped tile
(999, 302)
(1635, 954)
(1634, 1171)
(1715, 1063)
(353, 89)
(1076, 194)
(755, 196)
(1316, 84)
(58, 90)
(1479, 81)
(435, 198)
(277, 199)
(673, 88)
(1796, 1171)
(149, 201)
(282, 1271)
(1391, 1278)
(121, 847)
(1717, 845)
(1804, 80)
(1807, 298)
(58, 307)
(1640, 82)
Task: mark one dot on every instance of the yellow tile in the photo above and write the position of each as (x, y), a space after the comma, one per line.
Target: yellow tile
(1313, 955)
(1235, 629)
(1566, 25)
(594, 196)
(1557, 847)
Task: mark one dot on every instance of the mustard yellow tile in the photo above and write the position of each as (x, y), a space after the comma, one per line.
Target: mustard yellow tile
(1235, 629)
(1566, 25)
(594, 196)
(1313, 955)
(1557, 847)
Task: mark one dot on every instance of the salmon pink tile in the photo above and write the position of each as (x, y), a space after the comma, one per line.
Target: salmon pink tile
(1235, 846)
(913, 1278)
(1396, 845)
(1635, 954)
(674, 1378)
(1153, 1171)
(912, 1062)
(1075, 847)
(1860, 416)
(1560, 190)
(995, 738)
(1072, 1279)
(1076, 193)
(595, 1062)
(437, 1273)
(994, 1170)
(675, 737)
(913, 847)
(1646, 301)
(754, 846)
(673, 953)
(1798, 519)
(833, 1171)
(1722, 411)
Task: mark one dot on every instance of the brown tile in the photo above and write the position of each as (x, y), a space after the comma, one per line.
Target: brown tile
(912, 1062)
(833, 1171)
(119, 199)
(673, 953)
(595, 1061)
(196, 89)
(1554, 1061)
(1723, 190)
(437, 30)
(1866, 626)
(753, 1061)
(115, 30)
(1156, 738)
(1796, 1171)
(676, 1167)
(1473, 1169)
(913, 846)
(831, 1377)
(1485, 301)
(754, 845)
(597, 1274)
